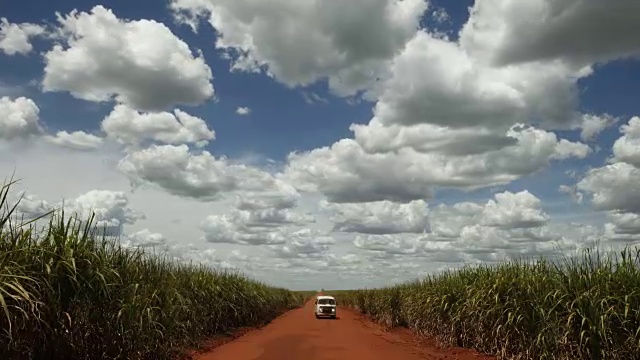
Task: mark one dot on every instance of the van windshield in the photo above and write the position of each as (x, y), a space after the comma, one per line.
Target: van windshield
(326, 302)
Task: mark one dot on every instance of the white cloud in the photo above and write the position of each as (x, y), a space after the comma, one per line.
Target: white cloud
(31, 206)
(140, 63)
(377, 138)
(199, 176)
(280, 196)
(243, 110)
(577, 31)
(134, 128)
(626, 223)
(511, 226)
(386, 245)
(440, 15)
(301, 42)
(15, 38)
(464, 128)
(263, 217)
(304, 243)
(382, 217)
(78, 140)
(593, 125)
(613, 187)
(566, 149)
(464, 92)
(572, 191)
(145, 239)
(110, 209)
(260, 227)
(345, 172)
(514, 210)
(627, 148)
(19, 118)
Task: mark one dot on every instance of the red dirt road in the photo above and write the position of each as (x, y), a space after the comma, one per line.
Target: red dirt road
(299, 335)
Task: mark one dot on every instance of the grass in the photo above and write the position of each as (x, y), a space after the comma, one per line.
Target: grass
(581, 308)
(68, 293)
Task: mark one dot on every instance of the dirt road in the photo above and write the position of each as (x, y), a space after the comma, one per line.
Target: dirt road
(299, 335)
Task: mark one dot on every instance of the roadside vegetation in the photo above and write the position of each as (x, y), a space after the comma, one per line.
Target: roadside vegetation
(68, 293)
(581, 308)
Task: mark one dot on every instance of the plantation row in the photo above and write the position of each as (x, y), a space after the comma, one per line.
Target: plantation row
(66, 293)
(586, 308)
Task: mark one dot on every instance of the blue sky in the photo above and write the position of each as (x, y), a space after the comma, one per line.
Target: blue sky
(375, 197)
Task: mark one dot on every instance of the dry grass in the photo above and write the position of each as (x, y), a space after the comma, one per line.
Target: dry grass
(67, 293)
(581, 308)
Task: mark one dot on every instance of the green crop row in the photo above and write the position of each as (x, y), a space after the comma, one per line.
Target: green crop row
(578, 308)
(66, 293)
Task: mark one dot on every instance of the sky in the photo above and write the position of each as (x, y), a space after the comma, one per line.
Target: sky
(329, 144)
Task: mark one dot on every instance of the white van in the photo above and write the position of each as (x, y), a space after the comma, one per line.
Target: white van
(325, 306)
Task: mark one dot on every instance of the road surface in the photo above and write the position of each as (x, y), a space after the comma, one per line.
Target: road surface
(299, 335)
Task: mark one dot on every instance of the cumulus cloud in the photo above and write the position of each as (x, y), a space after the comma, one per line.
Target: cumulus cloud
(111, 209)
(199, 176)
(466, 128)
(301, 42)
(615, 187)
(260, 218)
(19, 118)
(440, 15)
(382, 217)
(514, 210)
(132, 127)
(31, 206)
(592, 125)
(507, 211)
(140, 63)
(145, 239)
(280, 196)
(625, 224)
(260, 227)
(377, 138)
(304, 243)
(386, 245)
(345, 172)
(15, 38)
(573, 192)
(509, 32)
(243, 110)
(464, 92)
(78, 140)
(627, 148)
(509, 226)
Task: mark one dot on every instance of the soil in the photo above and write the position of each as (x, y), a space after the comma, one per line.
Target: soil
(297, 334)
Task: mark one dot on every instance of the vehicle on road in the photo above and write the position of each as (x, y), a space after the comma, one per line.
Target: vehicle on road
(325, 306)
